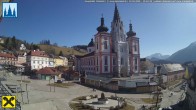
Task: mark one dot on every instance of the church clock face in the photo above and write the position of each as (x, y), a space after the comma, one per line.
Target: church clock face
(192, 83)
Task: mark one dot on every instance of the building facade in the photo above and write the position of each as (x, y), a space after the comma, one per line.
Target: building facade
(115, 54)
(172, 71)
(60, 61)
(37, 59)
(22, 58)
(8, 59)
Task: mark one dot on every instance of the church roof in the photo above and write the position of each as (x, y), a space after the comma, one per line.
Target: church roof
(91, 43)
(102, 27)
(116, 14)
(131, 33)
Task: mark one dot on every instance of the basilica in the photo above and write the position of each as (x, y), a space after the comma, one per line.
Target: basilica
(115, 53)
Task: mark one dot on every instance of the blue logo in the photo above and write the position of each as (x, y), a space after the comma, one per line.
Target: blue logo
(9, 10)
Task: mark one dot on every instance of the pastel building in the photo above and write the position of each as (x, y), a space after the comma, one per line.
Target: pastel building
(37, 59)
(115, 53)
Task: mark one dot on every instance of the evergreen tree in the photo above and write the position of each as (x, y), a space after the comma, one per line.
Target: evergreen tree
(61, 53)
(6, 42)
(13, 43)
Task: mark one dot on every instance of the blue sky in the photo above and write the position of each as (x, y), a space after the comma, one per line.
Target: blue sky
(162, 27)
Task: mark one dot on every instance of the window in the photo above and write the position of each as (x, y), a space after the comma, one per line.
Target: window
(33, 61)
(106, 68)
(97, 46)
(135, 61)
(135, 47)
(135, 68)
(105, 45)
(97, 69)
(106, 60)
(97, 61)
(121, 49)
(89, 50)
(114, 61)
(122, 61)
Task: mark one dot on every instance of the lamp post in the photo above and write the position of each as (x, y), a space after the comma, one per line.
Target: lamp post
(99, 84)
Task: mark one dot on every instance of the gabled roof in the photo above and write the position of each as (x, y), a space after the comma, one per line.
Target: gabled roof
(7, 55)
(173, 67)
(48, 70)
(37, 53)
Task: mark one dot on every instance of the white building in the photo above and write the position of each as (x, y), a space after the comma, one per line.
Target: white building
(37, 59)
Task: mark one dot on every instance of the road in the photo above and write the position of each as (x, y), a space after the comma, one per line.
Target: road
(168, 99)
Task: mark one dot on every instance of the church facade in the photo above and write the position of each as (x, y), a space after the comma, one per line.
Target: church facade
(115, 54)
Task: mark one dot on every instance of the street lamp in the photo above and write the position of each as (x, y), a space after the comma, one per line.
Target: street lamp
(99, 83)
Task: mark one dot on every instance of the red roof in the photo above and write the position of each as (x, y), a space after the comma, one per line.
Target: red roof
(7, 55)
(48, 70)
(37, 53)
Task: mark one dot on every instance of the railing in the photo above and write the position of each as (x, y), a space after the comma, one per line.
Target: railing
(5, 92)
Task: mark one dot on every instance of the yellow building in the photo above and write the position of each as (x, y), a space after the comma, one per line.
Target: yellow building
(60, 61)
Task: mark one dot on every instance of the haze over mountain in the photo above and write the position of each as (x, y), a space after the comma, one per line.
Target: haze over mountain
(157, 56)
(184, 55)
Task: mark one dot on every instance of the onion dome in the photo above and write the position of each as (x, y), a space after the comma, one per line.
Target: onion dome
(91, 43)
(131, 32)
(102, 27)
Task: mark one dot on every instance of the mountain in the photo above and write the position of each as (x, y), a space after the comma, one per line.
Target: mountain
(157, 56)
(184, 55)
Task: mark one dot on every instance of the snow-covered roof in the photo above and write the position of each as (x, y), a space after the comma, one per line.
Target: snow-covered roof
(173, 67)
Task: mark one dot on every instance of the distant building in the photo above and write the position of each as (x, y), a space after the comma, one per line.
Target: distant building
(37, 59)
(60, 61)
(21, 58)
(48, 73)
(115, 54)
(1, 41)
(146, 66)
(172, 71)
(140, 84)
(8, 59)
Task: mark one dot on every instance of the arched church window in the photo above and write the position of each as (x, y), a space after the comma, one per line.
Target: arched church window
(105, 45)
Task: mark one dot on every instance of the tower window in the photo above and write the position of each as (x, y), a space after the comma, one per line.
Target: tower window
(122, 61)
(97, 46)
(114, 61)
(135, 61)
(105, 45)
(121, 49)
(135, 68)
(135, 47)
(106, 60)
(97, 61)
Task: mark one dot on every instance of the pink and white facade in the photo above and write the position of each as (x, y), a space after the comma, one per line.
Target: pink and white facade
(113, 54)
